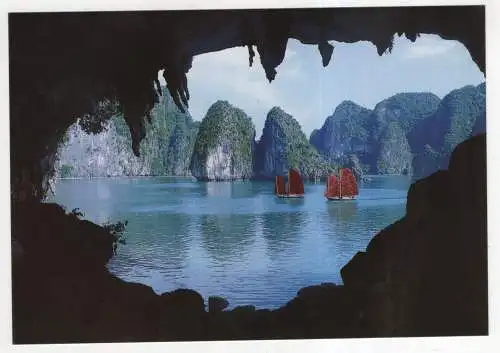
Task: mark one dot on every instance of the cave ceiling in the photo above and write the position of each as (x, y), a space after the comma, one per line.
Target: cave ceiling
(63, 64)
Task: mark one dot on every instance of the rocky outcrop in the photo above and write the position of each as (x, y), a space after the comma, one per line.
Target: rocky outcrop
(355, 166)
(107, 154)
(283, 146)
(166, 150)
(427, 274)
(392, 124)
(343, 133)
(381, 139)
(461, 114)
(394, 154)
(224, 145)
(408, 133)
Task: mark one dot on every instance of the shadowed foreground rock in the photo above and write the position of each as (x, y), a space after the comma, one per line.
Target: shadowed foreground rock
(424, 275)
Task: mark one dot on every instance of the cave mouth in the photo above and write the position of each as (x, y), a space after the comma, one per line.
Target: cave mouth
(136, 101)
(215, 252)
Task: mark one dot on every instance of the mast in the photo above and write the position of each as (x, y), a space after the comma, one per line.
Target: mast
(287, 190)
(340, 183)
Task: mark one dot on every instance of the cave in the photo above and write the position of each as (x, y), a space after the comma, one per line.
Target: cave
(65, 66)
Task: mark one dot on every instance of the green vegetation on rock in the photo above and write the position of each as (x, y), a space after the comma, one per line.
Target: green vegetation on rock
(461, 114)
(283, 145)
(106, 151)
(344, 133)
(408, 133)
(394, 155)
(395, 119)
(224, 145)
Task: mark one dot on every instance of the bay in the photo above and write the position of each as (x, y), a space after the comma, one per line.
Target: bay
(234, 239)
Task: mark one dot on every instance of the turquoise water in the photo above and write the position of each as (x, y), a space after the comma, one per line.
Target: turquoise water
(236, 240)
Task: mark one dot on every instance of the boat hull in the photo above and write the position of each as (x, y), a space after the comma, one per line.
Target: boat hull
(290, 196)
(343, 198)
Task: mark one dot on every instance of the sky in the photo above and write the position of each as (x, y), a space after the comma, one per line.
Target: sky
(310, 92)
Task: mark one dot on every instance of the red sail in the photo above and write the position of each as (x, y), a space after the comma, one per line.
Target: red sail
(332, 187)
(295, 183)
(279, 186)
(349, 186)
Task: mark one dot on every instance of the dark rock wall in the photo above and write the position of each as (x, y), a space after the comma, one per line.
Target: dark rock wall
(427, 273)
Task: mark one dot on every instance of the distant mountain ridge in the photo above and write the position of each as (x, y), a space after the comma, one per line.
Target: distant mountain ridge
(406, 134)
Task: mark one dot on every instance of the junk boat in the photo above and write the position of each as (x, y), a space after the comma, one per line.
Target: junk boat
(344, 187)
(294, 188)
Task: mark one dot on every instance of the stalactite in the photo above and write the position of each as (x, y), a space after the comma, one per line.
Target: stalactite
(251, 55)
(326, 51)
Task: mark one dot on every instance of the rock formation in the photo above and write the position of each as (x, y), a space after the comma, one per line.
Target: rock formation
(224, 145)
(345, 132)
(408, 133)
(461, 114)
(426, 274)
(166, 150)
(283, 145)
(394, 155)
(107, 154)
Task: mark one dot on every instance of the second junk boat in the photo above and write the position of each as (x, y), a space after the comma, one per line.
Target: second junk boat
(344, 187)
(294, 188)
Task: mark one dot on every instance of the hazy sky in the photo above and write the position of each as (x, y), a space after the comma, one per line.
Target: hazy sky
(310, 93)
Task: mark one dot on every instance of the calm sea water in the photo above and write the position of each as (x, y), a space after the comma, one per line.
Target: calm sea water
(236, 240)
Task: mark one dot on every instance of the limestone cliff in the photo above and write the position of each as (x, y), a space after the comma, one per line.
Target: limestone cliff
(283, 145)
(393, 121)
(461, 114)
(166, 150)
(224, 146)
(345, 132)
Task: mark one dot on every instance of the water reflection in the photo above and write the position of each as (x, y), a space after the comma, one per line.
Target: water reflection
(342, 211)
(400, 182)
(282, 230)
(226, 237)
(219, 189)
(234, 239)
(289, 201)
(164, 247)
(86, 195)
(235, 189)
